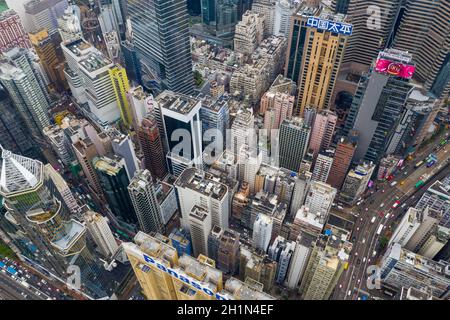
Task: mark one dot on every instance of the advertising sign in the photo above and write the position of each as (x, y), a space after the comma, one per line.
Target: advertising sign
(331, 26)
(395, 68)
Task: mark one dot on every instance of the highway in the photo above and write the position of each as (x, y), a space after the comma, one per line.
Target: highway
(352, 283)
(12, 289)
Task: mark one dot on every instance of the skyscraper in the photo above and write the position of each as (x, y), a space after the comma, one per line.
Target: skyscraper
(341, 162)
(12, 33)
(163, 45)
(322, 166)
(282, 252)
(98, 227)
(293, 140)
(145, 203)
(121, 86)
(44, 14)
(114, 183)
(26, 89)
(322, 131)
(320, 197)
(356, 182)
(199, 220)
(262, 232)
(315, 53)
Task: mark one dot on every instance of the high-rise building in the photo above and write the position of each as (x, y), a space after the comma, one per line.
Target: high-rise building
(44, 14)
(429, 223)
(322, 131)
(85, 152)
(300, 192)
(372, 27)
(242, 132)
(97, 226)
(249, 33)
(165, 276)
(121, 86)
(12, 33)
(51, 59)
(199, 221)
(213, 242)
(145, 203)
(26, 89)
(262, 232)
(320, 197)
(152, 148)
(282, 252)
(196, 187)
(377, 107)
(402, 268)
(328, 259)
(340, 6)
(180, 240)
(258, 267)
(69, 26)
(293, 143)
(228, 252)
(163, 46)
(322, 166)
(356, 182)
(278, 106)
(342, 159)
(179, 111)
(407, 227)
(423, 31)
(63, 189)
(114, 183)
(299, 259)
(314, 55)
(215, 116)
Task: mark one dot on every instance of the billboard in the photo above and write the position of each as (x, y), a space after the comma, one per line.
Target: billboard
(395, 68)
(331, 26)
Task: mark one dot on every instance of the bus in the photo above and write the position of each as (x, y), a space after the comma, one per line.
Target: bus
(379, 229)
(418, 164)
(443, 141)
(431, 163)
(419, 184)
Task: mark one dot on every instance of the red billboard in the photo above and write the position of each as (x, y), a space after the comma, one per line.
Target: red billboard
(395, 68)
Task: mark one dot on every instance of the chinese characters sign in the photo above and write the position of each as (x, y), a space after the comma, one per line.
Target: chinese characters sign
(331, 26)
(395, 68)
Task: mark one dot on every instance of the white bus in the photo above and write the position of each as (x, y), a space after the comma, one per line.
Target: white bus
(379, 229)
(373, 220)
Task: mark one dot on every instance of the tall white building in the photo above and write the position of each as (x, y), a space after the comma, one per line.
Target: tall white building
(323, 165)
(407, 227)
(299, 260)
(100, 231)
(199, 228)
(262, 232)
(199, 188)
(249, 163)
(63, 188)
(320, 197)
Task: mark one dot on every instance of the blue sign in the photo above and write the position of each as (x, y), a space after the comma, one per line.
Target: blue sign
(330, 26)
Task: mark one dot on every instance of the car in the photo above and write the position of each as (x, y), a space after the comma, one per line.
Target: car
(356, 253)
(357, 229)
(382, 205)
(381, 213)
(349, 292)
(396, 204)
(374, 253)
(402, 182)
(363, 240)
(364, 259)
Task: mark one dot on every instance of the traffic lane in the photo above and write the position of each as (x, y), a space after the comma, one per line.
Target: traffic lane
(17, 289)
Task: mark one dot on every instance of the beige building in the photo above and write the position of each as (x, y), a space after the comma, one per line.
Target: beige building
(249, 32)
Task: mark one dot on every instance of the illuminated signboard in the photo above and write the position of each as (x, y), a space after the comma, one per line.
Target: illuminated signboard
(395, 68)
(331, 26)
(183, 277)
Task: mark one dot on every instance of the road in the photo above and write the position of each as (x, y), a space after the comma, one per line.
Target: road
(12, 289)
(379, 205)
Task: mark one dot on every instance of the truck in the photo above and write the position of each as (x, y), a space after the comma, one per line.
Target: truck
(418, 164)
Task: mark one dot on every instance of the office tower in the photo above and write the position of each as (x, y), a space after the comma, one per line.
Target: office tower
(320, 197)
(429, 223)
(372, 30)
(414, 123)
(437, 197)
(39, 212)
(21, 81)
(141, 104)
(299, 259)
(356, 182)
(300, 192)
(281, 251)
(277, 15)
(340, 6)
(208, 10)
(378, 105)
(122, 146)
(258, 267)
(262, 232)
(180, 240)
(165, 276)
(293, 143)
(441, 83)
(407, 227)
(213, 242)
(435, 242)
(181, 112)
(63, 189)
(266, 8)
(98, 228)
(44, 14)
(50, 58)
(69, 26)
(322, 131)
(12, 33)
(163, 47)
(280, 85)
(151, 146)
(402, 268)
(199, 221)
(145, 203)
(14, 135)
(424, 33)
(314, 54)
(85, 152)
(215, 116)
(248, 164)
(219, 18)
(249, 33)
(342, 159)
(196, 187)
(322, 166)
(121, 86)
(327, 261)
(114, 183)
(228, 252)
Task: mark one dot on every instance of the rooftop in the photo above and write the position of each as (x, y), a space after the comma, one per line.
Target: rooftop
(176, 102)
(110, 166)
(202, 182)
